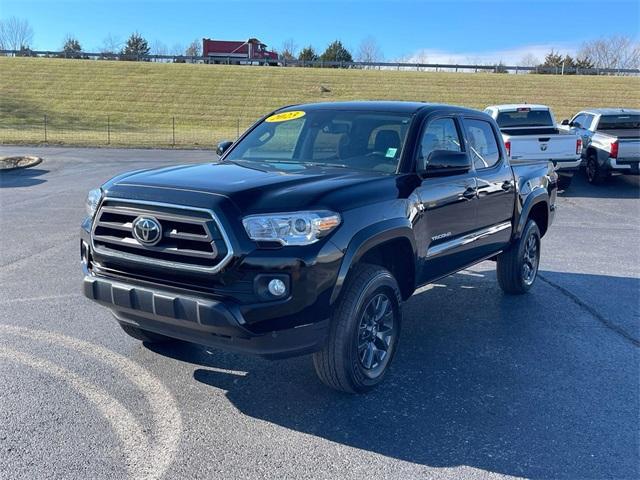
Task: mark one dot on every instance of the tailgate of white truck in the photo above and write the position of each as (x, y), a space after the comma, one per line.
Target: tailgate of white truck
(543, 147)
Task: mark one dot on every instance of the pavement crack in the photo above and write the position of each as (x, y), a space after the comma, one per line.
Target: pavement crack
(597, 315)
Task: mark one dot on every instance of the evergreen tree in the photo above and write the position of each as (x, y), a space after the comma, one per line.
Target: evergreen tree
(135, 47)
(336, 52)
(308, 54)
(71, 48)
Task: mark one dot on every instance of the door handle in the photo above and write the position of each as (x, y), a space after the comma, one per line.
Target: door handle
(469, 193)
(507, 185)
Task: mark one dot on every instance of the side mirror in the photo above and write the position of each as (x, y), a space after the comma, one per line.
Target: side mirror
(564, 122)
(445, 162)
(223, 147)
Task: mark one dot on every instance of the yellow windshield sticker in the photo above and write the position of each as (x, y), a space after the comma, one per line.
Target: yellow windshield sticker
(285, 116)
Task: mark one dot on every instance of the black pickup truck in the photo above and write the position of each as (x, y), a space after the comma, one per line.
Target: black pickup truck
(312, 229)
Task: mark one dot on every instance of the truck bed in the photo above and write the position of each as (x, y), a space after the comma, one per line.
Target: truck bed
(622, 134)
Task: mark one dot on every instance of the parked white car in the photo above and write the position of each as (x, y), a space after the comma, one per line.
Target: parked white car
(530, 133)
(611, 141)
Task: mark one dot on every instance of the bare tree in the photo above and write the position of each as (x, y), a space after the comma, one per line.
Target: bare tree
(289, 50)
(615, 52)
(529, 60)
(419, 57)
(15, 34)
(194, 49)
(159, 48)
(369, 51)
(111, 45)
(177, 49)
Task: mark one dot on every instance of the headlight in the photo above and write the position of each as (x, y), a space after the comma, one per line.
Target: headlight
(93, 200)
(297, 228)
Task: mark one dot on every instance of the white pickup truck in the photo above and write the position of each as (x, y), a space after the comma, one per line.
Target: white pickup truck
(611, 138)
(530, 133)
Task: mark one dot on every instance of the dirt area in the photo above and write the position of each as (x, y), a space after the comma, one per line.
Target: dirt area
(9, 163)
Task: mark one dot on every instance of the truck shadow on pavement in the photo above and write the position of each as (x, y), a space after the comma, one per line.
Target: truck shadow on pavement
(23, 177)
(619, 186)
(530, 386)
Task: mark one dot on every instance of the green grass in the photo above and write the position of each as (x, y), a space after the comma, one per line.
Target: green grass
(139, 100)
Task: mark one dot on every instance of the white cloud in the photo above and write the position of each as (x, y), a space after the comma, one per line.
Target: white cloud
(508, 56)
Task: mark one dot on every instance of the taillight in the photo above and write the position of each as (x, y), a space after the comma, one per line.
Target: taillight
(614, 150)
(507, 145)
(579, 146)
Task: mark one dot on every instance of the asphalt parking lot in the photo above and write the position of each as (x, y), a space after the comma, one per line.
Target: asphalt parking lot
(545, 385)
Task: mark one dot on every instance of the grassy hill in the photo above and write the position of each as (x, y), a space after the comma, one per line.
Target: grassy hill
(133, 103)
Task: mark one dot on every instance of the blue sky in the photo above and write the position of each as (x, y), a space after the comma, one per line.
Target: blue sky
(432, 30)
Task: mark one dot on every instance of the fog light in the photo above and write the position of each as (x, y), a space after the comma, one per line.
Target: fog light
(277, 288)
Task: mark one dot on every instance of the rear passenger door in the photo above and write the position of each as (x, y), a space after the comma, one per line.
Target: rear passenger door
(496, 186)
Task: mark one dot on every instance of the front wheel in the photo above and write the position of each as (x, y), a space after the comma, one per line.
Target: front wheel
(364, 333)
(517, 267)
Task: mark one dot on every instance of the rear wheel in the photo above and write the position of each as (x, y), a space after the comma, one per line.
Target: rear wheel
(364, 333)
(144, 335)
(517, 267)
(595, 173)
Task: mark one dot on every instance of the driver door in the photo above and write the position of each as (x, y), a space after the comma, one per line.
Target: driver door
(447, 204)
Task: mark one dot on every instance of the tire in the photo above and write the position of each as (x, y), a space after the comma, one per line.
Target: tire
(364, 332)
(564, 182)
(517, 267)
(595, 173)
(144, 335)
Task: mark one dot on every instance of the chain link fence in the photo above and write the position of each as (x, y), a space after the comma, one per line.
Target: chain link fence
(115, 131)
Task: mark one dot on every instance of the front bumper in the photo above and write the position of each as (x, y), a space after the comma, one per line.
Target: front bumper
(199, 319)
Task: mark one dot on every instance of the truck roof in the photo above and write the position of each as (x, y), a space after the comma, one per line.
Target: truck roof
(512, 107)
(611, 111)
(382, 106)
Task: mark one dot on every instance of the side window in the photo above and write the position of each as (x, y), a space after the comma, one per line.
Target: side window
(482, 143)
(579, 121)
(588, 120)
(440, 134)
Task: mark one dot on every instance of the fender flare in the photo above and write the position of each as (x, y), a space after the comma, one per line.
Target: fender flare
(368, 238)
(538, 195)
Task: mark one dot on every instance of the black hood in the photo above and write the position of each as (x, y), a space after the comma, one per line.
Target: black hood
(257, 189)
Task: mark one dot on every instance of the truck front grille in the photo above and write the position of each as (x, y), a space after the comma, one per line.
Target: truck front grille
(191, 239)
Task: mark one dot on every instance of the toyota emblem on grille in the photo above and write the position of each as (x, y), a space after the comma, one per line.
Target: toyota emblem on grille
(147, 230)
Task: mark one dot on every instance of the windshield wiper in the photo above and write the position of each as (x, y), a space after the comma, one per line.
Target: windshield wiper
(322, 164)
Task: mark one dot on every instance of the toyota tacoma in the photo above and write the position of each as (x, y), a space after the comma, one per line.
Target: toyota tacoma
(611, 140)
(312, 229)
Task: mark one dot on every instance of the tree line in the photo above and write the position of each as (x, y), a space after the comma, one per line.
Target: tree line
(614, 52)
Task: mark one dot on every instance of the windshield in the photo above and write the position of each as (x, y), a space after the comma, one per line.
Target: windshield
(619, 122)
(364, 140)
(525, 118)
